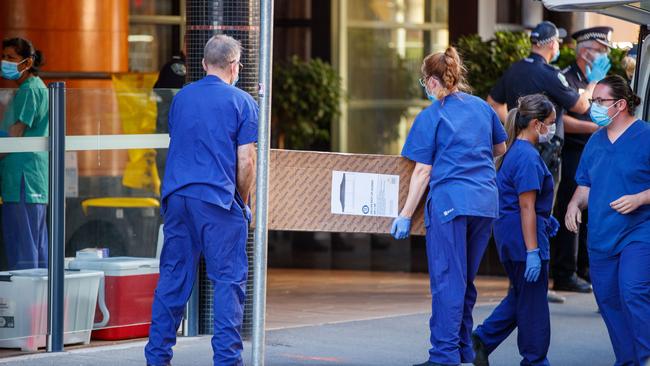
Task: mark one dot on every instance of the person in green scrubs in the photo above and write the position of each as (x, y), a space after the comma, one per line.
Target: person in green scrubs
(24, 181)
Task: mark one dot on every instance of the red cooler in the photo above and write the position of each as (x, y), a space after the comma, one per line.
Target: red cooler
(124, 311)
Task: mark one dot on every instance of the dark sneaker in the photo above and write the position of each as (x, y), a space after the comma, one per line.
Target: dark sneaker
(481, 353)
(553, 297)
(573, 284)
(429, 363)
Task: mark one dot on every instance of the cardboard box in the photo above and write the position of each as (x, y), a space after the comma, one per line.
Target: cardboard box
(300, 188)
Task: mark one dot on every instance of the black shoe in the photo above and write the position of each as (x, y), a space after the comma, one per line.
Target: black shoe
(553, 297)
(573, 284)
(481, 354)
(585, 276)
(429, 363)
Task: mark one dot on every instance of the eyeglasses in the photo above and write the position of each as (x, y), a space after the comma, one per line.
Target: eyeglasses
(241, 66)
(601, 100)
(422, 82)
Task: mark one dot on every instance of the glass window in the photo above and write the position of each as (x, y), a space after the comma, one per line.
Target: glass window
(509, 11)
(386, 42)
(155, 33)
(386, 62)
(408, 11)
(152, 45)
(154, 7)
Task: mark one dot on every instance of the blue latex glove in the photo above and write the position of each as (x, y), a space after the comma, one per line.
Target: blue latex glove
(553, 226)
(401, 227)
(598, 69)
(533, 265)
(248, 214)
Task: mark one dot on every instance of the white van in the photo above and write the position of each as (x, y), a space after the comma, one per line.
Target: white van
(631, 11)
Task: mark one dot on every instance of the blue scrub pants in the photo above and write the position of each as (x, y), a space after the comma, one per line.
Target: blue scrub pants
(525, 307)
(24, 230)
(622, 289)
(193, 227)
(454, 252)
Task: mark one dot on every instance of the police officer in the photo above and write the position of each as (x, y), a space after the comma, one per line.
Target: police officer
(534, 75)
(570, 250)
(210, 170)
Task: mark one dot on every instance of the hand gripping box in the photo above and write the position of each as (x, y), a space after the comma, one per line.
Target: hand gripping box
(124, 306)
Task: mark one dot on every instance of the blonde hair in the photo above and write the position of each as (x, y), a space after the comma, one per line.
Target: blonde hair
(447, 67)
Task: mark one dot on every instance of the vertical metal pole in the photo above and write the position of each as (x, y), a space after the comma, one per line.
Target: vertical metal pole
(261, 198)
(56, 219)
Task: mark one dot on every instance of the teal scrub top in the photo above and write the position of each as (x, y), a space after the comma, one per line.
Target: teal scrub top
(29, 106)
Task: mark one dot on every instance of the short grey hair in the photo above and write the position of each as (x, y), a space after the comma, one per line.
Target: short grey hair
(221, 51)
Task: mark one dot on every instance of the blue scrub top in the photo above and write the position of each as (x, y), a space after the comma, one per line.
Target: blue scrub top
(456, 137)
(523, 170)
(613, 170)
(208, 120)
(533, 75)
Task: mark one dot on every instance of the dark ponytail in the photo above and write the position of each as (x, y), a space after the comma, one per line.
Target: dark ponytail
(25, 49)
(529, 107)
(620, 89)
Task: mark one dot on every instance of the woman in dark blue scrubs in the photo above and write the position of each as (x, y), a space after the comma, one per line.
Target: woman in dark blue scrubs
(522, 236)
(453, 143)
(614, 184)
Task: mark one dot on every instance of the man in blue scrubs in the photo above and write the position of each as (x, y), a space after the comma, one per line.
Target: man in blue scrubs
(208, 178)
(614, 184)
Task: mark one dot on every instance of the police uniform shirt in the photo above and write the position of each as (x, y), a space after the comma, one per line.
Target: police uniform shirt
(578, 82)
(533, 75)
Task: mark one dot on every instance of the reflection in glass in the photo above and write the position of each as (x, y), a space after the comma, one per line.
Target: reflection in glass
(386, 63)
(408, 11)
(151, 46)
(154, 7)
(386, 43)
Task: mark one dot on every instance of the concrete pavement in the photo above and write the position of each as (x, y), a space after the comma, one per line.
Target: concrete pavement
(579, 337)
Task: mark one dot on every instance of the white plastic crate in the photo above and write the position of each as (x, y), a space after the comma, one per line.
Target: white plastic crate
(23, 307)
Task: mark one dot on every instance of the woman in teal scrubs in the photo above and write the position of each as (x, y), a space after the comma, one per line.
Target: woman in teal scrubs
(522, 236)
(24, 186)
(613, 180)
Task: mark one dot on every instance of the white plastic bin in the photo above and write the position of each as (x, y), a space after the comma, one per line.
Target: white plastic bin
(23, 307)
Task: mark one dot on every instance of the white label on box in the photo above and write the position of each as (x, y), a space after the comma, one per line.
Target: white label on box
(365, 194)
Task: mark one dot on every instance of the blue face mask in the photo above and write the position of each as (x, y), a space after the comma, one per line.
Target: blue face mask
(556, 56)
(10, 70)
(430, 96)
(598, 114)
(234, 82)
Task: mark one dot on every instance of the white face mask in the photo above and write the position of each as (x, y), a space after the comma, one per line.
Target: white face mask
(546, 137)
